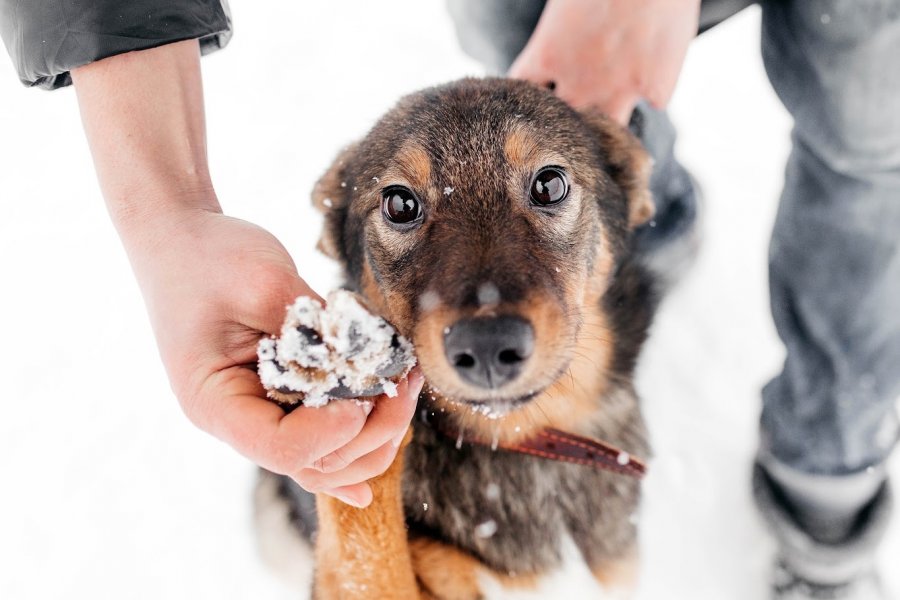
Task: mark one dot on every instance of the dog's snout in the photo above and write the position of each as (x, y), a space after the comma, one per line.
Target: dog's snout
(489, 352)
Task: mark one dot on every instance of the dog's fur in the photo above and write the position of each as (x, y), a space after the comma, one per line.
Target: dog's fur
(469, 150)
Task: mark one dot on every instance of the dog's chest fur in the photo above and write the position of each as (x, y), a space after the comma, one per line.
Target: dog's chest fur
(514, 511)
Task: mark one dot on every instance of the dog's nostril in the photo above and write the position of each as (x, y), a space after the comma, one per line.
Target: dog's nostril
(464, 361)
(509, 357)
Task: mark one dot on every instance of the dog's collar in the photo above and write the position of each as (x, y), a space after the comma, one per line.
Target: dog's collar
(553, 444)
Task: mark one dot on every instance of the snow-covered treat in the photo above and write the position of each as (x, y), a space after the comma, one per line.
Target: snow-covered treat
(338, 351)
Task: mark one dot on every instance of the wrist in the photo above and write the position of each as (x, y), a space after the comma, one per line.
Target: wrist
(160, 205)
(156, 226)
(144, 120)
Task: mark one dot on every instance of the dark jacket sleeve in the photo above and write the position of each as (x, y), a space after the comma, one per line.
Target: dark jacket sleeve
(48, 38)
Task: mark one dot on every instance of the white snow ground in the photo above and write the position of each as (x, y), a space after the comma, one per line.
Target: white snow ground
(108, 492)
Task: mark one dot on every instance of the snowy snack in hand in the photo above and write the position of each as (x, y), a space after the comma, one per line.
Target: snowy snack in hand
(338, 351)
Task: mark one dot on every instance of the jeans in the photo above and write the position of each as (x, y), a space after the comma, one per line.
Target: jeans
(835, 251)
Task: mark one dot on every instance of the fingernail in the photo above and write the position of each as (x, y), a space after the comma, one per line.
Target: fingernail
(366, 405)
(397, 440)
(416, 381)
(348, 500)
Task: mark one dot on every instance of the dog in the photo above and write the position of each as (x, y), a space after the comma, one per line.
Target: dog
(491, 224)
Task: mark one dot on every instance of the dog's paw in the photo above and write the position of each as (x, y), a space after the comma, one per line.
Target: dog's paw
(338, 351)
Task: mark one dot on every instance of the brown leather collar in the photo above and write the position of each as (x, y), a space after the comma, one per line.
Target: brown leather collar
(553, 444)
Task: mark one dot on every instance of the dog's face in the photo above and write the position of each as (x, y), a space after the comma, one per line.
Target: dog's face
(483, 219)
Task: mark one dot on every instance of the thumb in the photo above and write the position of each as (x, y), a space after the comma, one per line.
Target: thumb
(269, 295)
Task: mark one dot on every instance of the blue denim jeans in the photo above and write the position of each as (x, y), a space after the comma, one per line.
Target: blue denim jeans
(835, 250)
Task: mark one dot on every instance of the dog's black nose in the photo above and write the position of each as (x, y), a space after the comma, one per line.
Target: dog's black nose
(489, 351)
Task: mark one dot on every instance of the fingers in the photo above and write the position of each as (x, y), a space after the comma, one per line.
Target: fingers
(660, 96)
(387, 423)
(333, 449)
(232, 407)
(276, 288)
(620, 107)
(365, 468)
(359, 495)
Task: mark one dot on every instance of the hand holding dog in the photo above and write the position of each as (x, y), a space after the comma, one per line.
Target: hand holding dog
(213, 284)
(208, 314)
(610, 54)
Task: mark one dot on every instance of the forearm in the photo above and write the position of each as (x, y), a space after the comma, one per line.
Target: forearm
(144, 120)
(143, 117)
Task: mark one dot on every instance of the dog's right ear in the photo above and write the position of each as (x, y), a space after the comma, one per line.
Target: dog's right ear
(629, 165)
(331, 197)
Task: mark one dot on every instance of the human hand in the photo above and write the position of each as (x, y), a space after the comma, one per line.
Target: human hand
(609, 54)
(214, 285)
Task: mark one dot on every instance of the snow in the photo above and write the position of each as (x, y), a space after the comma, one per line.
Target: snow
(492, 491)
(486, 529)
(488, 294)
(322, 348)
(109, 492)
(572, 580)
(429, 300)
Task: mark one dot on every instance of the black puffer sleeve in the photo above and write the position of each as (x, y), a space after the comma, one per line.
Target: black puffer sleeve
(48, 38)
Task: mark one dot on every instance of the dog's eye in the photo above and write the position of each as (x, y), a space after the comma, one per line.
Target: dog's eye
(400, 205)
(549, 186)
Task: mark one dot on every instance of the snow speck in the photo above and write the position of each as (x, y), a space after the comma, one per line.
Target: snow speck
(446, 330)
(424, 506)
(488, 294)
(343, 184)
(623, 458)
(366, 405)
(489, 411)
(390, 388)
(355, 188)
(266, 350)
(486, 529)
(376, 180)
(492, 491)
(448, 190)
(825, 18)
(429, 300)
(557, 269)
(327, 202)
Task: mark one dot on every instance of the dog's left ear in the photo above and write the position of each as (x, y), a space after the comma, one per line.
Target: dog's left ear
(331, 197)
(629, 165)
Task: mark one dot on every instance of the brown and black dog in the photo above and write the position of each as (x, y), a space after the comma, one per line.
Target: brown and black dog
(491, 224)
